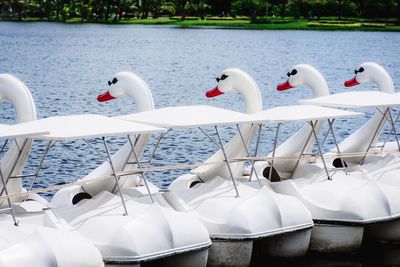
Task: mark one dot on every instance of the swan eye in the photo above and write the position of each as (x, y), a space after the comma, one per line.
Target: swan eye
(359, 70)
(293, 72)
(114, 81)
(223, 77)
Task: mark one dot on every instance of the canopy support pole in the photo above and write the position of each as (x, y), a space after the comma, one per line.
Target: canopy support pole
(96, 150)
(319, 149)
(162, 135)
(248, 154)
(8, 199)
(274, 150)
(374, 136)
(15, 163)
(330, 124)
(209, 137)
(256, 150)
(115, 175)
(227, 161)
(394, 129)
(391, 131)
(301, 153)
(4, 146)
(49, 145)
(139, 165)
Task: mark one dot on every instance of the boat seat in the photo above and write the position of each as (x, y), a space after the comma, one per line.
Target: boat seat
(79, 197)
(338, 163)
(275, 177)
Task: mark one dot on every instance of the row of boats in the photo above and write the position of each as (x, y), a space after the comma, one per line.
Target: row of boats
(223, 212)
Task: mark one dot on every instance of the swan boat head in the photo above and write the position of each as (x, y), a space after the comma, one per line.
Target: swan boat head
(235, 80)
(307, 75)
(372, 72)
(301, 74)
(129, 84)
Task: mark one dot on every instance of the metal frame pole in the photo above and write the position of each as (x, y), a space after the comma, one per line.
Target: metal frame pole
(319, 149)
(248, 154)
(49, 145)
(374, 136)
(16, 162)
(330, 124)
(162, 135)
(301, 153)
(139, 165)
(227, 161)
(8, 199)
(274, 150)
(4, 145)
(394, 128)
(256, 150)
(390, 132)
(115, 175)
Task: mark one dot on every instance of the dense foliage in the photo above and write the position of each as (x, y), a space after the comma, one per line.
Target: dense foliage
(258, 10)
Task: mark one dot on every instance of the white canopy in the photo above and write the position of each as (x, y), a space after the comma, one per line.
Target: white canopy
(301, 113)
(189, 117)
(18, 130)
(361, 99)
(85, 126)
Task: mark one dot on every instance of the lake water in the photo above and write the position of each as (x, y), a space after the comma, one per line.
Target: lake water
(67, 66)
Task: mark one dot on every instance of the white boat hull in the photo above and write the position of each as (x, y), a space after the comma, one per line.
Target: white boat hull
(190, 259)
(385, 231)
(230, 253)
(335, 238)
(291, 244)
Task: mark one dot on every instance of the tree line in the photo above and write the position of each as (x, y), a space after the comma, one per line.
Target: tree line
(115, 10)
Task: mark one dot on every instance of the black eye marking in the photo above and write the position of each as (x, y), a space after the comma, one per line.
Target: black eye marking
(114, 81)
(359, 70)
(294, 72)
(223, 77)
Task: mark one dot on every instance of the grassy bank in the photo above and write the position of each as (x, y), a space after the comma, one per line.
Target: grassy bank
(243, 23)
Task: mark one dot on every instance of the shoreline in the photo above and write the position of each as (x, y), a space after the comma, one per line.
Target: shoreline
(236, 24)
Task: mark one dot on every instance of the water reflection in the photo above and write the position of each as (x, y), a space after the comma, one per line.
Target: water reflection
(377, 254)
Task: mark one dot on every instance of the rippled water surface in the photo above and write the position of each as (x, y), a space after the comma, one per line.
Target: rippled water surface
(67, 66)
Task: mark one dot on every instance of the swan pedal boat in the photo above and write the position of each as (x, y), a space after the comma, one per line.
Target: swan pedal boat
(378, 161)
(238, 214)
(126, 228)
(25, 241)
(229, 253)
(342, 203)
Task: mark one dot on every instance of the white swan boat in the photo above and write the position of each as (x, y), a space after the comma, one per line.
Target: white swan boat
(342, 206)
(232, 243)
(148, 232)
(370, 157)
(33, 242)
(235, 211)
